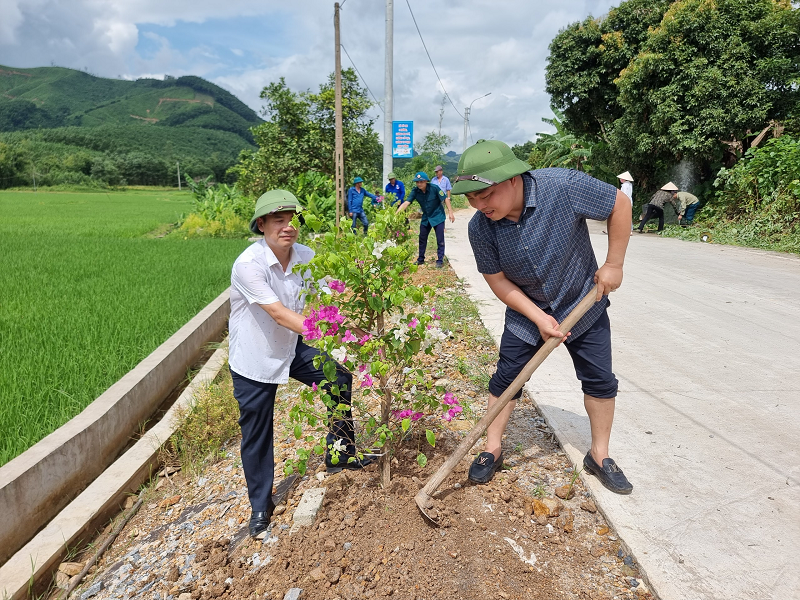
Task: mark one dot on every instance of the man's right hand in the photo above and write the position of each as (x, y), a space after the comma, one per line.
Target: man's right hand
(548, 327)
(351, 214)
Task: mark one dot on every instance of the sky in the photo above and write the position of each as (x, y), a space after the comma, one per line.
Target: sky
(478, 47)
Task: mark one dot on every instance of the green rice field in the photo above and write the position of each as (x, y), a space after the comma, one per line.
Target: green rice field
(87, 290)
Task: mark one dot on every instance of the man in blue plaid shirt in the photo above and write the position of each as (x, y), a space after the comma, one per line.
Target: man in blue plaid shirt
(532, 245)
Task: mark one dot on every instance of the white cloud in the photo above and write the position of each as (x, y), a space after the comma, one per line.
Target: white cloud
(478, 46)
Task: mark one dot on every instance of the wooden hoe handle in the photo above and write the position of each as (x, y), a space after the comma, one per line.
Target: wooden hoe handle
(423, 496)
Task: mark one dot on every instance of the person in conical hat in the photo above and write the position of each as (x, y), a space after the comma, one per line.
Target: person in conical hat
(655, 208)
(626, 185)
(266, 348)
(531, 242)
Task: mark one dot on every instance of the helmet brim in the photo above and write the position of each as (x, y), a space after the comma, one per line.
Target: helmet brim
(497, 175)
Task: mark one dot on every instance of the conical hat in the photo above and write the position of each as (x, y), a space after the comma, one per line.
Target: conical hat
(626, 176)
(670, 187)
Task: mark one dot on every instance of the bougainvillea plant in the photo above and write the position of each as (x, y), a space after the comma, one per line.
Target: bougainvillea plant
(373, 321)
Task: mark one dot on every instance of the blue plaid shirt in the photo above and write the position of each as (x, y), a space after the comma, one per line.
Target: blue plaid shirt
(547, 253)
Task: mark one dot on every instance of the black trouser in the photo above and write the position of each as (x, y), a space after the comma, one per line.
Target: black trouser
(424, 232)
(256, 407)
(652, 211)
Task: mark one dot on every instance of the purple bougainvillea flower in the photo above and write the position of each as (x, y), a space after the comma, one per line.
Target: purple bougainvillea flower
(362, 368)
(416, 416)
(368, 382)
(449, 399)
(314, 386)
(367, 337)
(337, 286)
(349, 337)
(413, 323)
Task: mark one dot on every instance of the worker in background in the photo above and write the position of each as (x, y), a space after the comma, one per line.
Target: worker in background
(355, 203)
(441, 181)
(432, 201)
(626, 186)
(687, 206)
(396, 187)
(655, 208)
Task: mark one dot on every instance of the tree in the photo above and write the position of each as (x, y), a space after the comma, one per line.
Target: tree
(562, 149)
(585, 59)
(713, 71)
(299, 136)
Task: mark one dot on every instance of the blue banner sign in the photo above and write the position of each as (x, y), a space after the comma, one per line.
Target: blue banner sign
(402, 139)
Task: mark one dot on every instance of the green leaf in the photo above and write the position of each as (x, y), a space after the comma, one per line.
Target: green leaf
(431, 437)
(406, 424)
(422, 460)
(318, 449)
(329, 370)
(298, 431)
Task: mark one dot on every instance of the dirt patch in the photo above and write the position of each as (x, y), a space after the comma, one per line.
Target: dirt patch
(513, 538)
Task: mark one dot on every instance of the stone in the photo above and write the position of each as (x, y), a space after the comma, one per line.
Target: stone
(540, 508)
(569, 521)
(70, 569)
(602, 530)
(589, 506)
(565, 492)
(62, 581)
(317, 574)
(293, 594)
(554, 506)
(307, 509)
(628, 571)
(93, 590)
(173, 574)
(279, 510)
(333, 574)
(185, 596)
(129, 502)
(169, 501)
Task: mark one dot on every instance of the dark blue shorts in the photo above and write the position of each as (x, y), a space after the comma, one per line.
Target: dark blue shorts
(591, 355)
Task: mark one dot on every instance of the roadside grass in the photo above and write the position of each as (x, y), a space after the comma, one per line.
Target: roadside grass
(206, 426)
(85, 294)
(738, 234)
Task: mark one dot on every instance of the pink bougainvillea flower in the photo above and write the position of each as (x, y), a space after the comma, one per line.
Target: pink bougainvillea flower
(314, 386)
(368, 382)
(367, 337)
(337, 286)
(449, 398)
(349, 337)
(413, 323)
(455, 411)
(447, 416)
(362, 368)
(416, 416)
(402, 414)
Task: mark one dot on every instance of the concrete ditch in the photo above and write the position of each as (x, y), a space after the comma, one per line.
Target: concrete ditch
(64, 469)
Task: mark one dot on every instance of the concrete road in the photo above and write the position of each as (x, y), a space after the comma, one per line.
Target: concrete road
(707, 428)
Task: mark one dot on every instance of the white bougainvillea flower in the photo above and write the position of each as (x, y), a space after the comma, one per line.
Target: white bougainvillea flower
(340, 354)
(338, 446)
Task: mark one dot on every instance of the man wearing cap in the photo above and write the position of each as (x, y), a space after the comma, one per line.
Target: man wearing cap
(397, 188)
(532, 245)
(441, 181)
(655, 208)
(267, 301)
(687, 206)
(431, 200)
(355, 203)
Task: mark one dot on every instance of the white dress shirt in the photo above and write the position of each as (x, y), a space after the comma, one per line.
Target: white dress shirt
(260, 349)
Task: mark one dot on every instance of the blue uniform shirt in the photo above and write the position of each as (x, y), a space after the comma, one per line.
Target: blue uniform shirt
(430, 202)
(398, 189)
(355, 199)
(547, 253)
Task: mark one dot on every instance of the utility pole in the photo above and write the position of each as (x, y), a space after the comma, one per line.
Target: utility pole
(466, 124)
(338, 157)
(388, 91)
(179, 175)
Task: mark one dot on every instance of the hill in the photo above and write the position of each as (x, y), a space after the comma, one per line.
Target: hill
(51, 114)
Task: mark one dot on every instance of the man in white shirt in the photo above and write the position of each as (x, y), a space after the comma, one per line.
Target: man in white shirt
(266, 349)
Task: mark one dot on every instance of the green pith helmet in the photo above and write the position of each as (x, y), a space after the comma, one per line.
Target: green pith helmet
(272, 202)
(487, 163)
(421, 176)
(391, 176)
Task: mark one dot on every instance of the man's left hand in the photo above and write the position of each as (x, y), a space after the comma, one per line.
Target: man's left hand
(452, 217)
(608, 278)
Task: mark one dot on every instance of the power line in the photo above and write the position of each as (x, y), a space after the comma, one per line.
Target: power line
(431, 60)
(362, 77)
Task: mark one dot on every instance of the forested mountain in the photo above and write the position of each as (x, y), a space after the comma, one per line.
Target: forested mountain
(68, 126)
